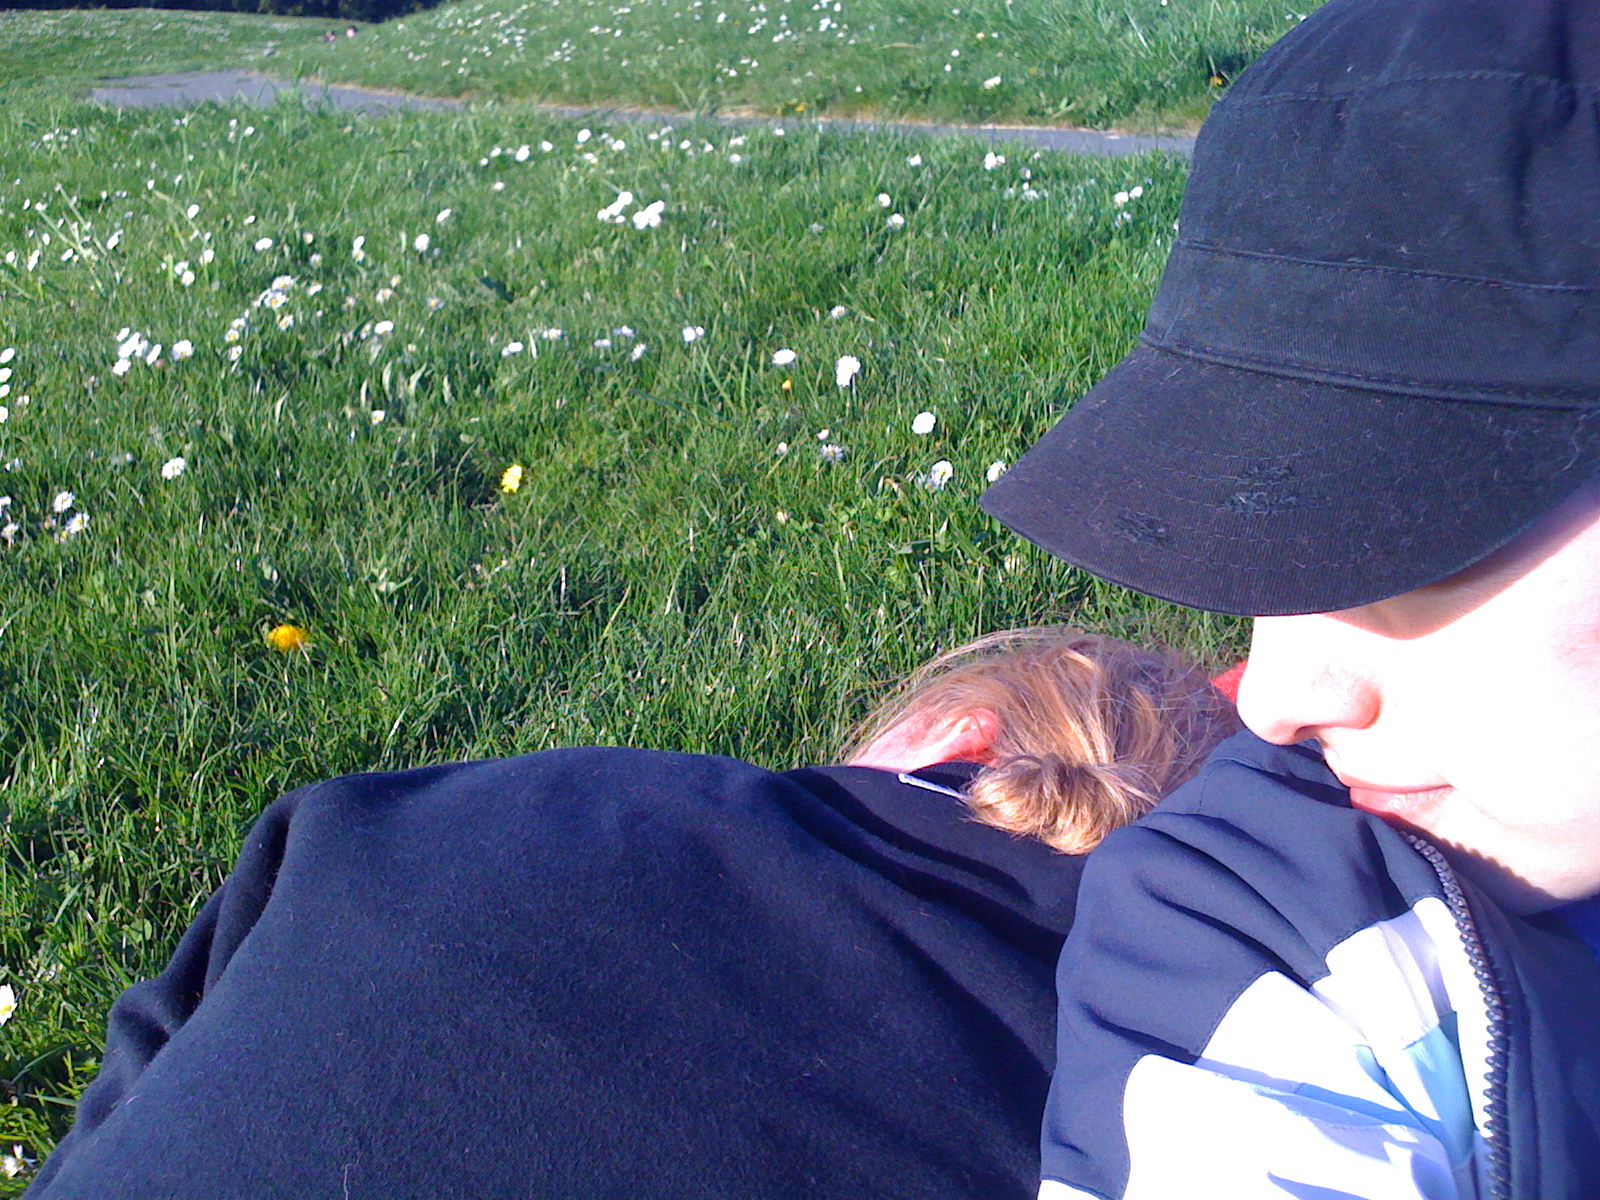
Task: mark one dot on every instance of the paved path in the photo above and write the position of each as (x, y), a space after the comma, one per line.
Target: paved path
(221, 87)
(152, 91)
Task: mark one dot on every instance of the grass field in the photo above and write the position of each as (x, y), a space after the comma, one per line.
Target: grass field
(1147, 64)
(283, 368)
(1142, 64)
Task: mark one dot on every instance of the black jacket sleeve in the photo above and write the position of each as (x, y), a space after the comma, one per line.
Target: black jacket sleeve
(146, 1016)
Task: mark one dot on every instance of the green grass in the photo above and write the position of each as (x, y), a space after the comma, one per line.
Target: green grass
(665, 575)
(1142, 64)
(1145, 63)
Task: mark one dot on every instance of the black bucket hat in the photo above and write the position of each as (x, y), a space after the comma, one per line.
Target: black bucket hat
(1374, 356)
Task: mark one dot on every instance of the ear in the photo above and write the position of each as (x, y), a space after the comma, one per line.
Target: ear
(969, 737)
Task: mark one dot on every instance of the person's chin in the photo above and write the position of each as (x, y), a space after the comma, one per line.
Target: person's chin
(1522, 892)
(1451, 823)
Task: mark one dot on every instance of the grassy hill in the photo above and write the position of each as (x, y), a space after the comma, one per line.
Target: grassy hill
(1148, 64)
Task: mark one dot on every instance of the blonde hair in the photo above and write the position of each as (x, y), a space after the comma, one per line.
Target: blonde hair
(1092, 731)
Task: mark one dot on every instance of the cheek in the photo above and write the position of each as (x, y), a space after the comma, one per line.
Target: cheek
(1516, 694)
(1529, 750)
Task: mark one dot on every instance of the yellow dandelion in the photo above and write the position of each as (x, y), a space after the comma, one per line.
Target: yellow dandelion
(287, 638)
(511, 478)
(787, 385)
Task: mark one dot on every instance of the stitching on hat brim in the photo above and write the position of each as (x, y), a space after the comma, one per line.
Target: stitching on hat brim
(1237, 99)
(1396, 386)
(1578, 289)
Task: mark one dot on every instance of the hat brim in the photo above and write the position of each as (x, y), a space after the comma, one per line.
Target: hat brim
(1255, 494)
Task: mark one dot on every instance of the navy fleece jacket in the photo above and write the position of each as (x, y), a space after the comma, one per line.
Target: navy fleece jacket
(594, 973)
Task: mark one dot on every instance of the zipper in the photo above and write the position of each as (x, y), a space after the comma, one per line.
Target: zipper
(1495, 1132)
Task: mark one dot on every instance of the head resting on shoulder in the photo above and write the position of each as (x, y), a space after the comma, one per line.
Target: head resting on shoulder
(1076, 734)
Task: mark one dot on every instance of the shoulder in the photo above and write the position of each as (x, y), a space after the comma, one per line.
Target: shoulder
(1264, 837)
(564, 778)
(567, 766)
(1251, 944)
(1253, 882)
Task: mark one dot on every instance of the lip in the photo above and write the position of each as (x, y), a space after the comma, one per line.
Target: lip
(1411, 804)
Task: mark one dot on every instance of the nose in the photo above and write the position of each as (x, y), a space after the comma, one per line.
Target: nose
(1304, 676)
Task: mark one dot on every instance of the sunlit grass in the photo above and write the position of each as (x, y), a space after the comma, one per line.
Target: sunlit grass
(1082, 62)
(1147, 64)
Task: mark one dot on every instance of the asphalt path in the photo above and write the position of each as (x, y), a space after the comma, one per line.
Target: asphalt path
(225, 87)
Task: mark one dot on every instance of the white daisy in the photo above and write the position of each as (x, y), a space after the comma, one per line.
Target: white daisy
(17, 1161)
